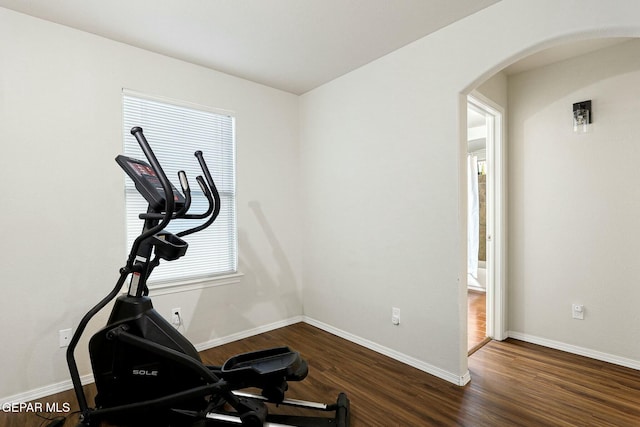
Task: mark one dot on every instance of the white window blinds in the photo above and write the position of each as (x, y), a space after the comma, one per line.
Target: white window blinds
(175, 131)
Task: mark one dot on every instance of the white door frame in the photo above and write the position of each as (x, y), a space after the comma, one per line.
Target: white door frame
(496, 215)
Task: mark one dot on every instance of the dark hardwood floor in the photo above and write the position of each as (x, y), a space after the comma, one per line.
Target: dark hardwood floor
(513, 384)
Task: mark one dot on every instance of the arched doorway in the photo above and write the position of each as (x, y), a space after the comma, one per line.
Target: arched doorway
(592, 149)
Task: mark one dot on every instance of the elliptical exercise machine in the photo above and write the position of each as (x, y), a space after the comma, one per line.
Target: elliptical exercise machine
(146, 372)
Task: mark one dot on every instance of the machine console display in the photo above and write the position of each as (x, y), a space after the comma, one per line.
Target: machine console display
(148, 183)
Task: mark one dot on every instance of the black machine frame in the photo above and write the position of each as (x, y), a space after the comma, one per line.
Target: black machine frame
(146, 372)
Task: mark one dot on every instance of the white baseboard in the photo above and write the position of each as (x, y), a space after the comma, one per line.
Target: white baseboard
(581, 351)
(248, 333)
(401, 357)
(45, 391)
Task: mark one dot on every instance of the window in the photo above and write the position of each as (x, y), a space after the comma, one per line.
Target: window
(175, 131)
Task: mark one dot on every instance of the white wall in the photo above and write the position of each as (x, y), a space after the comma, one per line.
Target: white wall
(382, 167)
(63, 200)
(575, 203)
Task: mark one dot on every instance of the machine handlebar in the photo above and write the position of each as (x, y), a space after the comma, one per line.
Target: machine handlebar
(210, 192)
(150, 155)
(137, 132)
(172, 198)
(212, 184)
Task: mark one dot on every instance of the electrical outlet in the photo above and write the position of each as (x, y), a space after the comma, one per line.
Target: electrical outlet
(395, 316)
(64, 336)
(577, 311)
(176, 317)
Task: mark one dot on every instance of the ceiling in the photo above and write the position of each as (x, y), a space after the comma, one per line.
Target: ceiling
(293, 45)
(475, 119)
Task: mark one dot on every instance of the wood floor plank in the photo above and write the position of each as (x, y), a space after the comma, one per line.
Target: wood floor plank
(513, 384)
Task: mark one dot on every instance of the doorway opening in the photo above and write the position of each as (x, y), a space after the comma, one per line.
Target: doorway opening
(484, 222)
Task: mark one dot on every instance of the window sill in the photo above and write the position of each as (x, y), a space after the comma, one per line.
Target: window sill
(194, 284)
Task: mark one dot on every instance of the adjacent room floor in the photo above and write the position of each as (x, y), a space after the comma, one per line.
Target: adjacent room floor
(476, 320)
